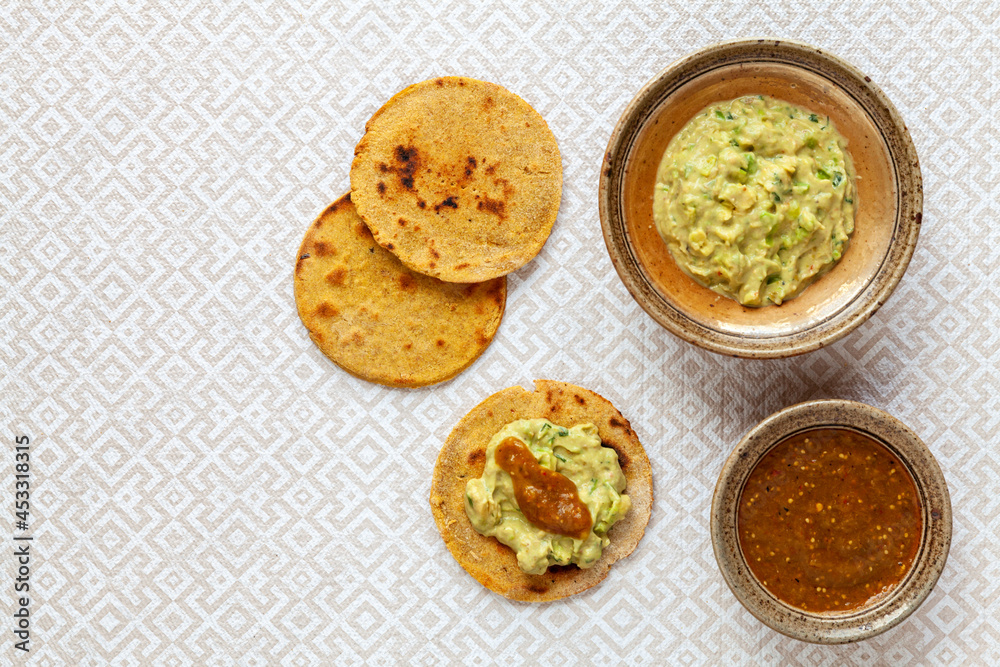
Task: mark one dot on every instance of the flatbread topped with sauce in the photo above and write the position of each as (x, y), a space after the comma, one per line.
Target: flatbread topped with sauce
(379, 320)
(461, 179)
(463, 458)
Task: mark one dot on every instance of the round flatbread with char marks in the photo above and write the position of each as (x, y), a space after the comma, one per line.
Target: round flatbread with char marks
(463, 457)
(461, 179)
(381, 321)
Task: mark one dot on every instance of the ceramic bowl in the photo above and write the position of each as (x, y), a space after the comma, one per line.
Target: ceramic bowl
(890, 198)
(887, 610)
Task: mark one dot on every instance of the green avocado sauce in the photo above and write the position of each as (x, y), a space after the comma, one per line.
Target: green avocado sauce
(755, 199)
(574, 452)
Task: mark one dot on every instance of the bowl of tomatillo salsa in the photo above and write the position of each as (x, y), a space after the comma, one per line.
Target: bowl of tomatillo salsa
(831, 521)
(760, 198)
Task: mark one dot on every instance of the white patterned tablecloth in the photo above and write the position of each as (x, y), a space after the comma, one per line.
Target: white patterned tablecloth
(208, 489)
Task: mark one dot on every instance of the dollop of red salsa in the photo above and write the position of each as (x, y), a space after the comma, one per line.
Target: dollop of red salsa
(548, 499)
(829, 519)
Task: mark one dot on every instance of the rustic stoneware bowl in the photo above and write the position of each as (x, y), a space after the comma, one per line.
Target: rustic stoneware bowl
(890, 609)
(890, 198)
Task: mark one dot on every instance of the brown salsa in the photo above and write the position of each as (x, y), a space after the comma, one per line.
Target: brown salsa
(548, 499)
(829, 519)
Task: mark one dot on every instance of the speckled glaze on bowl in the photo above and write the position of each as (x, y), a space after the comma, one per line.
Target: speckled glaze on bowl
(890, 198)
(935, 503)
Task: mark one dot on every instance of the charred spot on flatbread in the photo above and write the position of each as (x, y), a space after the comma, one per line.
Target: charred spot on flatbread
(337, 277)
(463, 456)
(380, 320)
(495, 206)
(449, 202)
(326, 310)
(471, 165)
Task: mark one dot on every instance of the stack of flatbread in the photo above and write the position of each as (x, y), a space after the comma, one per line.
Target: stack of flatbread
(455, 183)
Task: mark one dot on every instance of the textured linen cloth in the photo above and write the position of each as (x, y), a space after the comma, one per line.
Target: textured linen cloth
(208, 489)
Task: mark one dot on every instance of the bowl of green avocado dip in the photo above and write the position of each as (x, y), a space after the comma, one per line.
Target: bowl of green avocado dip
(755, 199)
(760, 198)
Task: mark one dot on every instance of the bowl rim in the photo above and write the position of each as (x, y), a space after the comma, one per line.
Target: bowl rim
(854, 625)
(909, 207)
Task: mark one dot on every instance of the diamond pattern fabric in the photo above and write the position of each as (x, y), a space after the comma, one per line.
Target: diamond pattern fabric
(209, 489)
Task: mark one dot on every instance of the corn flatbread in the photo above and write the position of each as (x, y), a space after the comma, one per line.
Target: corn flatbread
(379, 320)
(462, 458)
(461, 179)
